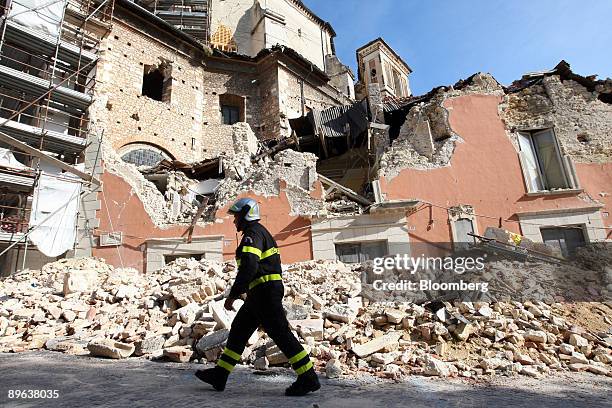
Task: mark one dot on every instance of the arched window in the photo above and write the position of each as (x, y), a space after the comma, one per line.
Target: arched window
(142, 154)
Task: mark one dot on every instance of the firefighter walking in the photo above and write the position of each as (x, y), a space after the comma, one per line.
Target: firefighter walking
(260, 276)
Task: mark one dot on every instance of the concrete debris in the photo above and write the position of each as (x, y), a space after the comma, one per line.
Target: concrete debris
(149, 345)
(513, 279)
(261, 364)
(178, 354)
(274, 355)
(363, 350)
(177, 314)
(297, 172)
(216, 339)
(436, 367)
(333, 369)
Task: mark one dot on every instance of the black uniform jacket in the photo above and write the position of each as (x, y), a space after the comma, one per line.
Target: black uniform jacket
(258, 259)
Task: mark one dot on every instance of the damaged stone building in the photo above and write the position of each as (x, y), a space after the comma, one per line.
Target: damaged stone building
(528, 158)
(147, 87)
(192, 107)
(532, 158)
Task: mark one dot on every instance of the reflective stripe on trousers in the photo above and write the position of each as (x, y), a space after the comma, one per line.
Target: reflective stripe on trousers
(301, 362)
(228, 359)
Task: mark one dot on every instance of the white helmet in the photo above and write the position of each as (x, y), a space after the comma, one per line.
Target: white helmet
(248, 207)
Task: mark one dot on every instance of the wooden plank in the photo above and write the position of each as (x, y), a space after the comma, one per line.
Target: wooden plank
(196, 218)
(350, 193)
(46, 158)
(285, 144)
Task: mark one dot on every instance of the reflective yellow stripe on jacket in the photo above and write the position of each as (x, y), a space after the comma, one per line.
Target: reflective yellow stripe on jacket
(269, 252)
(265, 278)
(261, 255)
(251, 250)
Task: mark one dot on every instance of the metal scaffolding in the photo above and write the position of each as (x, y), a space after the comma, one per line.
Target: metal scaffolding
(48, 55)
(190, 16)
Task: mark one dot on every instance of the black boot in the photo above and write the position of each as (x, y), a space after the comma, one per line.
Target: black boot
(305, 383)
(217, 377)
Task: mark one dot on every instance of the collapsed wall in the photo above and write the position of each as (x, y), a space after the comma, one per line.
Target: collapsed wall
(151, 198)
(580, 118)
(426, 139)
(178, 204)
(577, 108)
(296, 170)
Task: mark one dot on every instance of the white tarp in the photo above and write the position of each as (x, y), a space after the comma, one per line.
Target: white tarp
(7, 159)
(57, 195)
(42, 15)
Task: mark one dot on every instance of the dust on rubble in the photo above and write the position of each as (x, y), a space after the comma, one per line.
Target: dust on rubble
(173, 197)
(84, 306)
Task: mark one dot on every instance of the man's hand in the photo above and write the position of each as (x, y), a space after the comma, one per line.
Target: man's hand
(229, 303)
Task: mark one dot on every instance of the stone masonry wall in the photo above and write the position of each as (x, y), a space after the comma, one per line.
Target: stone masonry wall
(227, 78)
(129, 117)
(582, 123)
(268, 77)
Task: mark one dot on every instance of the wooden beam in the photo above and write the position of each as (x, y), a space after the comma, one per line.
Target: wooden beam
(46, 158)
(322, 141)
(349, 193)
(284, 144)
(195, 219)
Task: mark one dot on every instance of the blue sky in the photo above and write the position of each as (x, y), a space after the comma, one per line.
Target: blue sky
(445, 40)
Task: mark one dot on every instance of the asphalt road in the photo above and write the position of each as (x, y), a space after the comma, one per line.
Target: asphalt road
(92, 382)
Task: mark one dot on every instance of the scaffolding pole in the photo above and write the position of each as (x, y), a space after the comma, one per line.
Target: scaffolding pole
(73, 32)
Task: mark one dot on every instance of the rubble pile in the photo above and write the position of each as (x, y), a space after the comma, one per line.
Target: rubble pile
(152, 199)
(171, 196)
(296, 170)
(87, 307)
(290, 171)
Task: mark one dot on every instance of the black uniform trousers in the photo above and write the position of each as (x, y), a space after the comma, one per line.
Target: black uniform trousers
(263, 307)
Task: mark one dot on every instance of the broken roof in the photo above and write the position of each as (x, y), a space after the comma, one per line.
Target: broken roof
(604, 86)
(564, 71)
